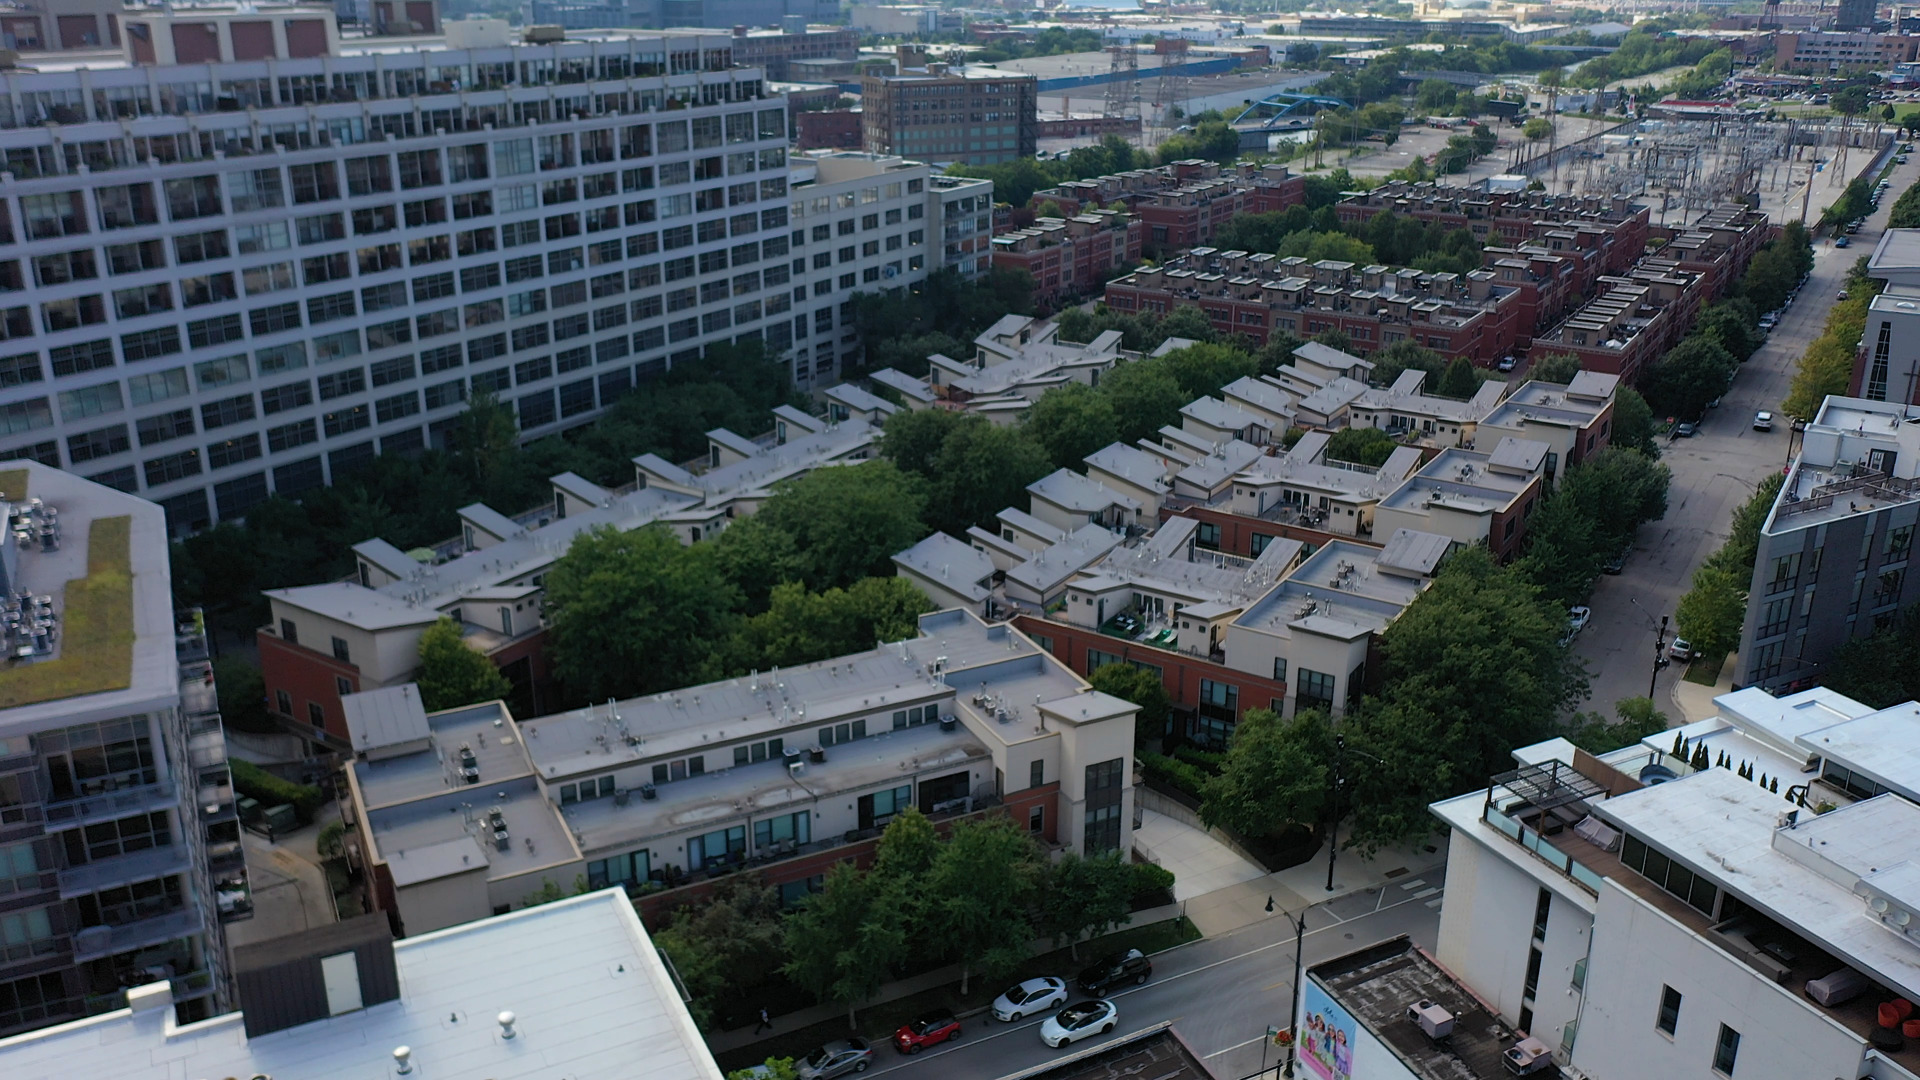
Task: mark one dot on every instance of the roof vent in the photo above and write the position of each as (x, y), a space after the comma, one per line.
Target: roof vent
(401, 1062)
(506, 1025)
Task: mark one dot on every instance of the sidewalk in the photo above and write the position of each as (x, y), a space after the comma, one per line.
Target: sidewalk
(1693, 702)
(1299, 887)
(290, 890)
(1200, 863)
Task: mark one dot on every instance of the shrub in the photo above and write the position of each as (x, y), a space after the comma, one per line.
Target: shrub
(255, 782)
(1180, 775)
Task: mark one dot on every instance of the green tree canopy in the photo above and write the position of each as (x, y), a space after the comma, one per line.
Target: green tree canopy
(845, 940)
(451, 674)
(800, 627)
(636, 612)
(1141, 687)
(1276, 773)
(847, 521)
(1633, 422)
(1085, 896)
(1559, 368)
(1361, 445)
(982, 469)
(979, 892)
(1203, 369)
(1638, 719)
(1711, 613)
(1691, 374)
(725, 947)
(1071, 422)
(1461, 381)
(1145, 397)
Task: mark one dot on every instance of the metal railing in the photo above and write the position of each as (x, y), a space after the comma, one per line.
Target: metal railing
(1533, 841)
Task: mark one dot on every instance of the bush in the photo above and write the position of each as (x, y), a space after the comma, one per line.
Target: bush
(255, 782)
(1179, 775)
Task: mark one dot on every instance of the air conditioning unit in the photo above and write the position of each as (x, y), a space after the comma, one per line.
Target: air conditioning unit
(1434, 1021)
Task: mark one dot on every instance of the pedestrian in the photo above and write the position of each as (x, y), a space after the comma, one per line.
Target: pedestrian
(766, 1022)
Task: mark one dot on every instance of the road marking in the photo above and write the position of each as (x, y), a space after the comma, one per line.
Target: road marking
(1424, 893)
(1409, 886)
(1276, 986)
(1238, 1045)
(1435, 902)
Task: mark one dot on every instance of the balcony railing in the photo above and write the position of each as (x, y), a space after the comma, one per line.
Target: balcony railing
(123, 870)
(1544, 850)
(97, 942)
(108, 805)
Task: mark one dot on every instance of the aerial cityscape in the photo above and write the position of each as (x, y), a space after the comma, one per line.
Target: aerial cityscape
(1033, 540)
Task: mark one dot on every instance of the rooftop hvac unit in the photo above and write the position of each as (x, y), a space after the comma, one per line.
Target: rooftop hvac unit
(1435, 1021)
(1527, 1057)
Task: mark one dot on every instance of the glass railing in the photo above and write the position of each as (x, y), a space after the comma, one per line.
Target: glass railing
(1544, 850)
(1580, 974)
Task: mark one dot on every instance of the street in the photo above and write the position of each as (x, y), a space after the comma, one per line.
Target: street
(1222, 993)
(1713, 473)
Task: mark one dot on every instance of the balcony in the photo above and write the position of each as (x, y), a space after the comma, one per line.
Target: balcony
(105, 806)
(99, 942)
(123, 870)
(1544, 808)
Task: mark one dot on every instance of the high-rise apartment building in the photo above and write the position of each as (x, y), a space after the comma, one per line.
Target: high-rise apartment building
(217, 285)
(979, 115)
(119, 844)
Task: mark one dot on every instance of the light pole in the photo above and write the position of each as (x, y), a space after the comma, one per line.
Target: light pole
(1333, 799)
(1293, 1016)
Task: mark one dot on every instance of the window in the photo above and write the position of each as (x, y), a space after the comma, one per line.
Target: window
(89, 445)
(233, 451)
(1315, 691)
(1036, 773)
(164, 470)
(1530, 988)
(72, 359)
(340, 651)
(316, 715)
(1669, 1019)
(281, 398)
(1542, 904)
(165, 427)
(1726, 1051)
(1103, 803)
(288, 436)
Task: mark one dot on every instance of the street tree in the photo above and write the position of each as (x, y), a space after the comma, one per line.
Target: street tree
(636, 612)
(845, 940)
(1618, 490)
(1633, 422)
(1711, 613)
(1563, 556)
(978, 893)
(726, 947)
(1691, 374)
(452, 674)
(1085, 896)
(846, 522)
(1276, 773)
(1071, 422)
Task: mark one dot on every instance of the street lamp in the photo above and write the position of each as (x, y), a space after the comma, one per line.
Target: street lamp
(1293, 1016)
(1333, 799)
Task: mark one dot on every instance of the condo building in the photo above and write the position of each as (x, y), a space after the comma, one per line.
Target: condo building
(248, 262)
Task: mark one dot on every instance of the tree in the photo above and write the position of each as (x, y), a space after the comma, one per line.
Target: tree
(912, 438)
(635, 612)
(1085, 896)
(726, 947)
(1362, 445)
(1537, 128)
(774, 1068)
(452, 674)
(1633, 422)
(1711, 613)
(845, 940)
(486, 438)
(800, 627)
(1618, 490)
(1145, 397)
(242, 692)
(1563, 556)
(1185, 321)
(907, 847)
(1881, 669)
(982, 469)
(1691, 374)
(978, 893)
(1461, 380)
(1315, 246)
(1558, 368)
(1141, 687)
(1276, 773)
(1203, 369)
(1401, 356)
(1071, 422)
(847, 521)
(1638, 719)
(755, 556)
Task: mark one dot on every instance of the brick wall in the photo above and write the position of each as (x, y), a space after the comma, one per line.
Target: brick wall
(306, 676)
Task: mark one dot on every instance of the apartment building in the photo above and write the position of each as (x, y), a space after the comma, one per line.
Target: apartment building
(1182, 204)
(1831, 53)
(1471, 497)
(1071, 257)
(1610, 231)
(1575, 421)
(1406, 411)
(325, 642)
(1854, 488)
(1014, 361)
(787, 772)
(1474, 316)
(117, 822)
(1633, 321)
(1887, 366)
(1637, 916)
(1718, 246)
(348, 1000)
(972, 114)
(225, 286)
(775, 50)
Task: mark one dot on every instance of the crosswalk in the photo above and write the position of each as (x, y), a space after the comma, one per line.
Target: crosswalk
(1425, 891)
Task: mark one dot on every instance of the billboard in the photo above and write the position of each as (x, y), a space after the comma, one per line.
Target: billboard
(1326, 1035)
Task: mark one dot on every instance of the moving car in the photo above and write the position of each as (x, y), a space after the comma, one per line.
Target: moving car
(1112, 970)
(1681, 649)
(932, 1029)
(1077, 1021)
(1030, 997)
(1763, 421)
(838, 1058)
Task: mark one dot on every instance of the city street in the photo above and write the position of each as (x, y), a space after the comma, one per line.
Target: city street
(1222, 993)
(1713, 473)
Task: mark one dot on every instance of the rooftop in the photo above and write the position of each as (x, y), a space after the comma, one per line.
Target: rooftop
(1471, 482)
(1344, 590)
(589, 994)
(1574, 404)
(1376, 985)
(1834, 477)
(1154, 1053)
(113, 597)
(955, 564)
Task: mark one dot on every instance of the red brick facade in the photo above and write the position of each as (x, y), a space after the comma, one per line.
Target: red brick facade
(1070, 258)
(1181, 673)
(298, 679)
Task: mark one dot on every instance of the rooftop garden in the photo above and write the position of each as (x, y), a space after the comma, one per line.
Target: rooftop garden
(96, 647)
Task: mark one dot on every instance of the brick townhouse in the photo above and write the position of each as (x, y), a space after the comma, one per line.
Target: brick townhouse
(1074, 256)
(1182, 204)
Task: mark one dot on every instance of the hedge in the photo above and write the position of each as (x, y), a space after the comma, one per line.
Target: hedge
(255, 782)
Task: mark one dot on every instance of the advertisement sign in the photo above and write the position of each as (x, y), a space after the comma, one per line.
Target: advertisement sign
(1326, 1036)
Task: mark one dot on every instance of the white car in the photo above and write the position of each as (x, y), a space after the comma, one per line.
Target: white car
(1577, 618)
(1079, 1020)
(1030, 997)
(1763, 421)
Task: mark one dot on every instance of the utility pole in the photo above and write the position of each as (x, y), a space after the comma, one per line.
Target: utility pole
(1659, 655)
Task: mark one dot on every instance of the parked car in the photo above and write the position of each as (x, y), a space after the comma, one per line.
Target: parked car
(1843, 292)
(931, 1029)
(1617, 563)
(1030, 997)
(837, 1058)
(1682, 649)
(1763, 421)
(1578, 617)
(1685, 431)
(1077, 1021)
(1840, 242)
(1110, 971)
(1507, 363)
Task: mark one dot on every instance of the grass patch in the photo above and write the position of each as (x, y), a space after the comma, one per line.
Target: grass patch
(96, 635)
(1705, 671)
(879, 1020)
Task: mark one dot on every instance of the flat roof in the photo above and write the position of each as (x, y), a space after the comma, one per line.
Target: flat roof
(1069, 489)
(153, 674)
(1365, 598)
(589, 994)
(1883, 745)
(1155, 1053)
(386, 717)
(1376, 985)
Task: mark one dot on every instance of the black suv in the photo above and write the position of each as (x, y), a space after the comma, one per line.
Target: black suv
(1130, 966)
